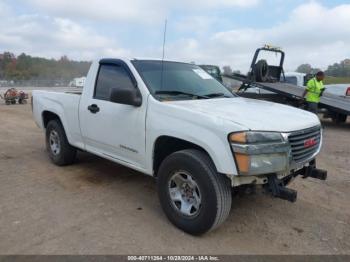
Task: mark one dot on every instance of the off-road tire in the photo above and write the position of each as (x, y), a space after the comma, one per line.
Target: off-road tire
(215, 188)
(67, 153)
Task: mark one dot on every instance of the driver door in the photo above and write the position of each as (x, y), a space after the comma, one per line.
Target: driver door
(111, 129)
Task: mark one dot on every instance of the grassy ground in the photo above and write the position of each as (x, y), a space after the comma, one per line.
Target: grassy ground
(336, 80)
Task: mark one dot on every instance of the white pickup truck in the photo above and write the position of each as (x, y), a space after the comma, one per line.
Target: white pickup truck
(173, 121)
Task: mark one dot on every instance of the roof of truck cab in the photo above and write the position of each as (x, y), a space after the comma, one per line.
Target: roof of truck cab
(158, 59)
(143, 59)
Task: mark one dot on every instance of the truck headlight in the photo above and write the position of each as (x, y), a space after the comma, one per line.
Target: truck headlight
(259, 152)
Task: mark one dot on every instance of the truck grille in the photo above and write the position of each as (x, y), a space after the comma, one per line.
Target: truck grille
(305, 143)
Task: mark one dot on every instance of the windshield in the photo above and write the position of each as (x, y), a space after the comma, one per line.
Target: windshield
(179, 80)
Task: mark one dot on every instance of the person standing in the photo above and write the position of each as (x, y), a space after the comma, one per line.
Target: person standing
(313, 92)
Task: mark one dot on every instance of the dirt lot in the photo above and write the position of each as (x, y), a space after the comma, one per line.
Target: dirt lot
(98, 207)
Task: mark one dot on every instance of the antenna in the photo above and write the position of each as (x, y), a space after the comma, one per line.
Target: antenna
(164, 39)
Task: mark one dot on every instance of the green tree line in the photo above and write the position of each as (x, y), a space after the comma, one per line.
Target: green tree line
(341, 69)
(26, 67)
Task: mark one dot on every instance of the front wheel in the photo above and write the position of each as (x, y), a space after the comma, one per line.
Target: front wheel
(194, 197)
(57, 145)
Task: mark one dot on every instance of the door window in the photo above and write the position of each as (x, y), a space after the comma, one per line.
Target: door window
(111, 76)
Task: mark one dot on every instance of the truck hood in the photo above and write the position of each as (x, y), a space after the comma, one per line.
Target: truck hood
(253, 114)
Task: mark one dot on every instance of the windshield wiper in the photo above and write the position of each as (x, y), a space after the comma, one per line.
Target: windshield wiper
(175, 92)
(213, 95)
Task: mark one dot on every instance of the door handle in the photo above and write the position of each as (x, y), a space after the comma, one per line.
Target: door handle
(93, 108)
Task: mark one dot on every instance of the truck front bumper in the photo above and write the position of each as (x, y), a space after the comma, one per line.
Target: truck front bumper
(277, 187)
(275, 184)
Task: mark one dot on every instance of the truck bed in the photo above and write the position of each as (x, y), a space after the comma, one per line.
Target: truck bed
(61, 102)
(67, 90)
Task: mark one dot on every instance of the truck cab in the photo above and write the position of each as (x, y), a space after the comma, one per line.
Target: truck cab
(295, 78)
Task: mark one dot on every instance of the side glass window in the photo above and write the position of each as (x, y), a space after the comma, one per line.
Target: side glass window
(292, 80)
(111, 76)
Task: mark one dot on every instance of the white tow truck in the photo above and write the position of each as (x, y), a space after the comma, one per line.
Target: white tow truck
(173, 121)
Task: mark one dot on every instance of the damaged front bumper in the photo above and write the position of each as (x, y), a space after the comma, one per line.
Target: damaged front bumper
(275, 184)
(275, 159)
(277, 187)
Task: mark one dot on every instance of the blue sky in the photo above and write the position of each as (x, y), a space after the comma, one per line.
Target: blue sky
(223, 32)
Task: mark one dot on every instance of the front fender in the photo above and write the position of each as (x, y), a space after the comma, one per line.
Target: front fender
(213, 141)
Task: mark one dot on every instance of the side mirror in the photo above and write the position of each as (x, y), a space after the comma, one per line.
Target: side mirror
(126, 96)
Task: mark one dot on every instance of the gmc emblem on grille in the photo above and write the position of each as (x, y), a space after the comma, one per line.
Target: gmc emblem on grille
(310, 142)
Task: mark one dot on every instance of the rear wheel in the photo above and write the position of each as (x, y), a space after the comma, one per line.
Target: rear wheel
(193, 195)
(339, 118)
(60, 151)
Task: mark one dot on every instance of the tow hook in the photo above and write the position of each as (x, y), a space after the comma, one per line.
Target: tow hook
(277, 189)
(277, 186)
(314, 172)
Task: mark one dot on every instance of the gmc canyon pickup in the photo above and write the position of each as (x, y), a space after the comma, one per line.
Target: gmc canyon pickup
(175, 122)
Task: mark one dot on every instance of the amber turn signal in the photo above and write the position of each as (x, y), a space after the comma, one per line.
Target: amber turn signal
(243, 162)
(238, 137)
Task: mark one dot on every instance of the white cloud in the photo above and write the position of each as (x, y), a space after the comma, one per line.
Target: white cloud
(53, 37)
(312, 33)
(4, 9)
(136, 11)
(200, 4)
(196, 24)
